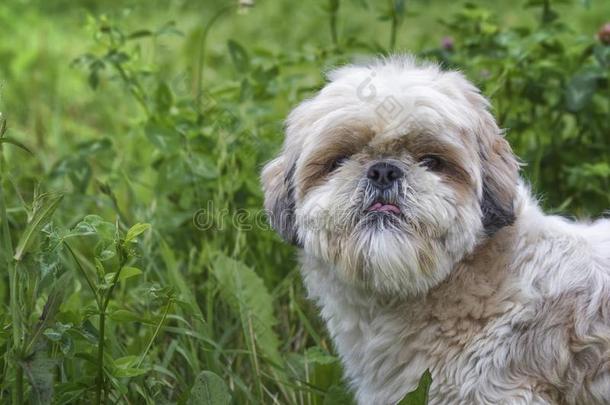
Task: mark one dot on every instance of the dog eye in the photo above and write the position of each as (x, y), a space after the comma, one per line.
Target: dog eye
(431, 162)
(336, 163)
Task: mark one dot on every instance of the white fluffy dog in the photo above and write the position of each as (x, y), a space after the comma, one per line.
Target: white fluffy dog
(423, 248)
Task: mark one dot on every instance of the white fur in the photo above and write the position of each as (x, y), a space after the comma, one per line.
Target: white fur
(385, 346)
(513, 314)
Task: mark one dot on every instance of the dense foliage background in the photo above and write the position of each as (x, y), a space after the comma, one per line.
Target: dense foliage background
(131, 140)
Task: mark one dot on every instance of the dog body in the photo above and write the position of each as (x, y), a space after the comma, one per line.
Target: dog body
(524, 319)
(424, 250)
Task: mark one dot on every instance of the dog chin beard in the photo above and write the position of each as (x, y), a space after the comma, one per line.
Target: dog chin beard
(384, 260)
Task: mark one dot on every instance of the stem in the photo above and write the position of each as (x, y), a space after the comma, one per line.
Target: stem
(333, 28)
(605, 139)
(547, 15)
(393, 31)
(102, 329)
(7, 247)
(84, 274)
(333, 11)
(102, 326)
(18, 395)
(201, 56)
(397, 13)
(100, 359)
(154, 336)
(255, 357)
(134, 87)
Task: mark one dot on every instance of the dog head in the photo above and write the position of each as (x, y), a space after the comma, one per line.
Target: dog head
(391, 174)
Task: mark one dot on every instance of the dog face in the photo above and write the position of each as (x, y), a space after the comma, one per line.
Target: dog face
(391, 174)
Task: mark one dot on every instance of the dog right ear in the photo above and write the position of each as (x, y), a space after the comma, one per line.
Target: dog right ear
(278, 186)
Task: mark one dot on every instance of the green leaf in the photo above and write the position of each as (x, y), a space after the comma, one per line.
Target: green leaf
(326, 374)
(129, 272)
(117, 57)
(203, 166)
(99, 268)
(53, 335)
(140, 34)
(94, 79)
(320, 356)
(239, 56)
(124, 362)
(164, 97)
(602, 54)
(209, 389)
(106, 254)
(338, 394)
(94, 224)
(66, 345)
(12, 141)
(89, 332)
(42, 215)
(129, 372)
(163, 136)
(51, 308)
(580, 89)
(419, 396)
(94, 72)
(81, 229)
(135, 231)
(169, 28)
(2, 125)
(248, 297)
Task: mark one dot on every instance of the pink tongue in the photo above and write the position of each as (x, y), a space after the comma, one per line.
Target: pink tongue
(384, 208)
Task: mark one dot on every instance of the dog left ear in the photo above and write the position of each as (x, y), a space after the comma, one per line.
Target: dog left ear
(500, 169)
(278, 187)
(500, 175)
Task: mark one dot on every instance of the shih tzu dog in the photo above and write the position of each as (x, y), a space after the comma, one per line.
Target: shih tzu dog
(425, 250)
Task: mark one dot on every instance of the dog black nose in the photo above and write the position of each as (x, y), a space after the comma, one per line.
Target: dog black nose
(383, 174)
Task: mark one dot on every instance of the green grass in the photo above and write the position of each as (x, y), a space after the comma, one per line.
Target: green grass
(162, 136)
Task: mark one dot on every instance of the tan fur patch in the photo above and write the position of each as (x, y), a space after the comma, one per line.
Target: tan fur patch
(342, 143)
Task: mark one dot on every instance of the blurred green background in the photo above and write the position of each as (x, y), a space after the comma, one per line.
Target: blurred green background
(163, 113)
